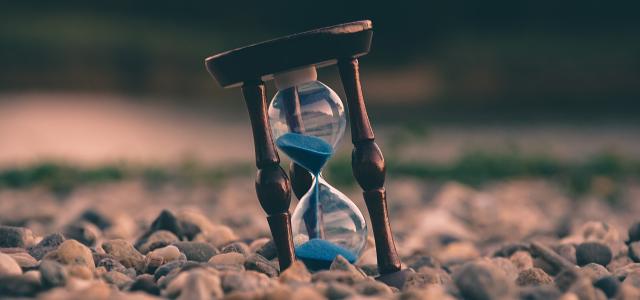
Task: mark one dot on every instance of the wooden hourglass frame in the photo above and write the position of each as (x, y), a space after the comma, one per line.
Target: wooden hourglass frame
(249, 67)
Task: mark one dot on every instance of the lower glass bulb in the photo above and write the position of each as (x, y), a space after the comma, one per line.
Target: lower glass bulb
(325, 224)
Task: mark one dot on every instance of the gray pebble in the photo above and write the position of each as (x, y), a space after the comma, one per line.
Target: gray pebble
(342, 264)
(609, 285)
(53, 274)
(566, 278)
(237, 247)
(145, 283)
(372, 288)
(533, 276)
(18, 286)
(593, 252)
(345, 277)
(196, 251)
(634, 232)
(116, 278)
(96, 218)
(338, 290)
(260, 264)
(634, 251)
(14, 236)
(478, 280)
(541, 292)
(157, 239)
(83, 232)
(168, 267)
(244, 282)
(46, 245)
(268, 250)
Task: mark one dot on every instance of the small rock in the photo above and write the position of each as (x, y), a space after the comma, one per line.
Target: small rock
(116, 278)
(96, 218)
(505, 265)
(70, 252)
(15, 237)
(342, 264)
(585, 290)
(372, 288)
(201, 284)
(257, 244)
(306, 293)
(593, 252)
(296, 273)
(231, 258)
(8, 266)
(633, 279)
(609, 285)
(345, 277)
(158, 239)
(567, 251)
(479, 280)
(566, 278)
(533, 276)
(145, 283)
(83, 231)
(426, 277)
(193, 223)
(622, 272)
(18, 286)
(268, 250)
(196, 251)
(80, 271)
(371, 270)
(25, 260)
(634, 232)
(628, 292)
(540, 292)
(507, 250)
(522, 260)
(244, 282)
(418, 262)
(47, 244)
(111, 264)
(594, 271)
(634, 251)
(260, 264)
(458, 252)
(336, 290)
(166, 221)
(430, 292)
(167, 254)
(217, 236)
(237, 247)
(53, 274)
(125, 253)
(167, 268)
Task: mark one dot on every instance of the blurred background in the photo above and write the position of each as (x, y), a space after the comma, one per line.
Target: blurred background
(476, 92)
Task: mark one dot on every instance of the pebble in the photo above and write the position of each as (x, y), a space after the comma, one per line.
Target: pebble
(70, 252)
(418, 262)
(116, 278)
(96, 218)
(634, 251)
(125, 253)
(196, 251)
(567, 251)
(342, 264)
(430, 292)
(260, 264)
(634, 232)
(53, 274)
(594, 271)
(296, 273)
(593, 252)
(193, 223)
(11, 236)
(166, 221)
(533, 276)
(306, 293)
(158, 239)
(8, 266)
(167, 268)
(540, 292)
(18, 286)
(79, 271)
(145, 283)
(633, 279)
(507, 250)
(584, 290)
(82, 231)
(237, 247)
(327, 276)
(480, 280)
(244, 282)
(218, 236)
(24, 260)
(372, 288)
(566, 278)
(336, 290)
(111, 264)
(231, 258)
(609, 285)
(622, 272)
(425, 278)
(47, 244)
(268, 250)
(522, 260)
(199, 284)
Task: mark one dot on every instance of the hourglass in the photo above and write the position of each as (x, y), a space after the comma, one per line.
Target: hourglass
(306, 120)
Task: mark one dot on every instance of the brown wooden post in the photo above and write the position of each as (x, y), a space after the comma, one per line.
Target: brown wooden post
(368, 167)
(272, 184)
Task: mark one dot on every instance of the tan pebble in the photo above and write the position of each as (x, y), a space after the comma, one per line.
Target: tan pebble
(218, 236)
(257, 244)
(297, 272)
(522, 260)
(306, 293)
(24, 259)
(71, 252)
(168, 253)
(231, 258)
(34, 275)
(79, 271)
(8, 266)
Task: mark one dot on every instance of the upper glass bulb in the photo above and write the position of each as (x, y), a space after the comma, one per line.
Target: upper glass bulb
(306, 106)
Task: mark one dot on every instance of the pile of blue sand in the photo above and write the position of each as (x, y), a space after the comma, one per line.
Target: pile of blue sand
(318, 254)
(308, 151)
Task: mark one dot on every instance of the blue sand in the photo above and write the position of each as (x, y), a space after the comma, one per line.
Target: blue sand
(308, 151)
(318, 254)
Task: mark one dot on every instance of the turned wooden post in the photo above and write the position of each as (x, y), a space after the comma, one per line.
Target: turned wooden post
(368, 167)
(272, 184)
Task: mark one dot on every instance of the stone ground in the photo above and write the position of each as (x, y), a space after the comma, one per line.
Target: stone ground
(521, 239)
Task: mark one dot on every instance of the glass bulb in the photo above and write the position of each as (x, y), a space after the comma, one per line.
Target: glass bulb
(311, 108)
(323, 215)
